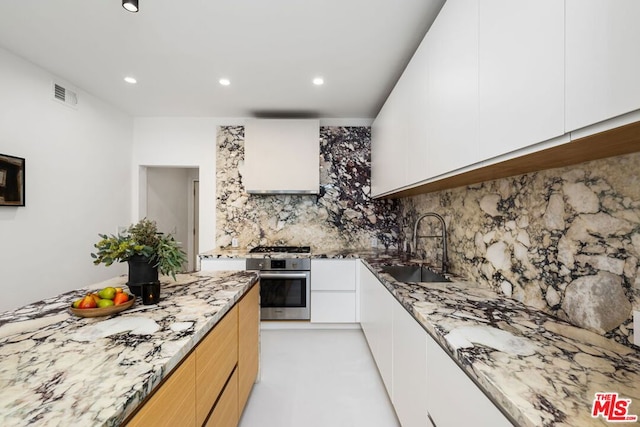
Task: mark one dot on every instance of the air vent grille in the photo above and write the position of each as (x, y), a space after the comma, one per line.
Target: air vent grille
(59, 92)
(64, 95)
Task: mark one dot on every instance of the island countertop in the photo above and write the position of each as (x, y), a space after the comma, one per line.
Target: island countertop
(58, 370)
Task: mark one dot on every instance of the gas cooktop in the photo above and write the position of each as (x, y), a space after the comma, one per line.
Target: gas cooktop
(282, 249)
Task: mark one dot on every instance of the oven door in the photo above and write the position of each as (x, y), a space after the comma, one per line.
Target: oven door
(284, 295)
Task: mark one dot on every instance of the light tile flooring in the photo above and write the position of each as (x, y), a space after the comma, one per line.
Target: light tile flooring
(317, 378)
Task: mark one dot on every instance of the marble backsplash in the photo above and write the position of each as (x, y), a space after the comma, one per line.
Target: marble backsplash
(565, 240)
(341, 216)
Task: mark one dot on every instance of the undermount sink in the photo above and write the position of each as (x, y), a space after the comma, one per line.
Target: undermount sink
(413, 273)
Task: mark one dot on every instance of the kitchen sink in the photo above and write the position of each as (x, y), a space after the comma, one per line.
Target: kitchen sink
(413, 273)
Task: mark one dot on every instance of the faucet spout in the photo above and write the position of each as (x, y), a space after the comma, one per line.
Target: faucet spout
(445, 260)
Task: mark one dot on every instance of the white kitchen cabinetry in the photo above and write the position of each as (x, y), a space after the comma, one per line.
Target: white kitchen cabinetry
(453, 399)
(222, 264)
(452, 88)
(389, 142)
(521, 74)
(409, 369)
(417, 154)
(602, 61)
(421, 378)
(376, 320)
(334, 291)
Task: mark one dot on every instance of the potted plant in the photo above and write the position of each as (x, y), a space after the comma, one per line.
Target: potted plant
(145, 249)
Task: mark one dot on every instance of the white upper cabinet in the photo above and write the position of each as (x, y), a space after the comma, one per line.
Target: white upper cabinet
(452, 87)
(389, 143)
(272, 144)
(521, 73)
(603, 63)
(415, 76)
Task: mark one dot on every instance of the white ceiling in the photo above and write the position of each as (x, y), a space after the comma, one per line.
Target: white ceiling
(178, 50)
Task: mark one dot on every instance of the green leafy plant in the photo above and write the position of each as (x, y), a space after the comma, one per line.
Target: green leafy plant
(145, 240)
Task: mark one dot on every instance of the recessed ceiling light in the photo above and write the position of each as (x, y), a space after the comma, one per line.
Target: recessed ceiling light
(318, 81)
(130, 5)
(130, 80)
(224, 82)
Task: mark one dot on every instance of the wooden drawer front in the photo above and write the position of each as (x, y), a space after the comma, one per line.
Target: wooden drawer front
(173, 403)
(249, 335)
(216, 357)
(226, 413)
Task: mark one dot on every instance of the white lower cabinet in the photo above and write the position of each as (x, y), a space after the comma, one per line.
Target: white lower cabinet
(426, 387)
(334, 289)
(376, 319)
(222, 264)
(409, 369)
(454, 400)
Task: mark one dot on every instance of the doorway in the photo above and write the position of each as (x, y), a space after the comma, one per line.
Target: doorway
(172, 201)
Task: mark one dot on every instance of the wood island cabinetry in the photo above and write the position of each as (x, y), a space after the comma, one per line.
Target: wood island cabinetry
(212, 384)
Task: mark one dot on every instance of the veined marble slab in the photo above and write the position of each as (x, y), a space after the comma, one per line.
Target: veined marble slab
(540, 370)
(59, 370)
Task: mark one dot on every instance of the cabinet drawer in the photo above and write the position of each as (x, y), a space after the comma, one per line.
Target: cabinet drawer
(333, 275)
(173, 403)
(333, 307)
(216, 358)
(226, 413)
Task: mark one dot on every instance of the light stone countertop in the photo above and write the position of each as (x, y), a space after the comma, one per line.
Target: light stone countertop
(59, 370)
(538, 369)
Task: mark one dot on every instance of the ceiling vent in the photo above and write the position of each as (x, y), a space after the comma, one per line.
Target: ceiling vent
(65, 96)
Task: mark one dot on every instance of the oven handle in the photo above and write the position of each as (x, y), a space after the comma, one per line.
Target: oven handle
(283, 275)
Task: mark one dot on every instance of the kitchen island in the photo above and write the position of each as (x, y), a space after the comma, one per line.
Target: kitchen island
(57, 369)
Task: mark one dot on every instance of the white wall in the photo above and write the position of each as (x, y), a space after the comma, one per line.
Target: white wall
(179, 142)
(78, 176)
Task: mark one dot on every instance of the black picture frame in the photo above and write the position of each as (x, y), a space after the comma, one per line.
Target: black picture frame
(12, 174)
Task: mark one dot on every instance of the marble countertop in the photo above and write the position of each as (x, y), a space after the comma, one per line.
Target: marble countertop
(346, 253)
(540, 370)
(57, 369)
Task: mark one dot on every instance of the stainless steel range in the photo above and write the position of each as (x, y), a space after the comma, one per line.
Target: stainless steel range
(285, 282)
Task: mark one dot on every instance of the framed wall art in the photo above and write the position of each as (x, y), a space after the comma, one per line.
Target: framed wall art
(11, 180)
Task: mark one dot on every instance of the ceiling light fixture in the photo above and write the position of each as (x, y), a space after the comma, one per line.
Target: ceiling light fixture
(318, 81)
(224, 82)
(130, 5)
(130, 80)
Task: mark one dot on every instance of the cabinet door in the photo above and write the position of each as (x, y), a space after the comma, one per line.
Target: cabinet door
(222, 264)
(333, 275)
(376, 318)
(448, 388)
(409, 369)
(389, 144)
(452, 87)
(521, 74)
(174, 401)
(248, 343)
(216, 358)
(602, 62)
(417, 124)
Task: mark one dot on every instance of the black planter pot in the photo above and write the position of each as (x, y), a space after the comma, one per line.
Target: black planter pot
(140, 271)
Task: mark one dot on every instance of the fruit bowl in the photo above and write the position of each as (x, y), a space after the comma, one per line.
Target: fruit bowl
(105, 311)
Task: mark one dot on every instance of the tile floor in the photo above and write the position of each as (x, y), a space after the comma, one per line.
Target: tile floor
(317, 378)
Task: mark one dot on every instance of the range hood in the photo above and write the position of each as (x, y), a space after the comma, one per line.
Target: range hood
(282, 156)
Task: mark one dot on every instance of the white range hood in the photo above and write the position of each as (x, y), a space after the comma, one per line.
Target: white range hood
(282, 156)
